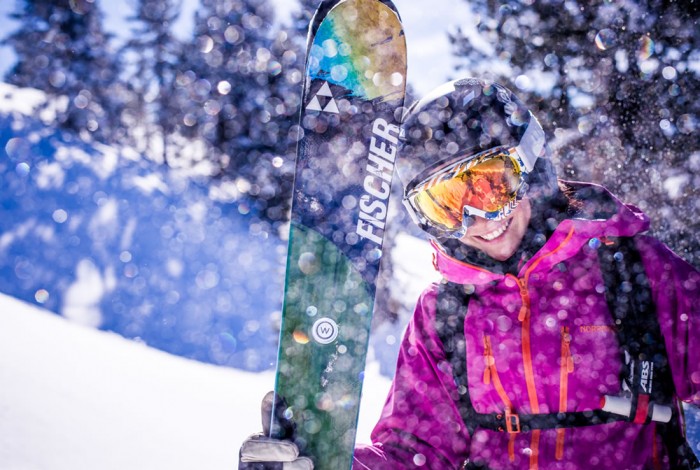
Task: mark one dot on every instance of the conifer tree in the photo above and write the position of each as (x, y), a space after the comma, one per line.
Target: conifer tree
(152, 56)
(615, 80)
(62, 49)
(239, 89)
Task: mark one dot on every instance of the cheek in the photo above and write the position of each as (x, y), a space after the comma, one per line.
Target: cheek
(519, 231)
(522, 218)
(514, 239)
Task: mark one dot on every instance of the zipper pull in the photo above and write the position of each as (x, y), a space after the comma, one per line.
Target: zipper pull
(523, 314)
(488, 360)
(566, 349)
(525, 299)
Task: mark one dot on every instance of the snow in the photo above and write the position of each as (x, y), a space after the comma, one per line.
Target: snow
(674, 185)
(103, 236)
(83, 297)
(74, 398)
(31, 99)
(412, 258)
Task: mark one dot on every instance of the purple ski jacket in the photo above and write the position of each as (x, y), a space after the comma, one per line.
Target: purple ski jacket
(539, 342)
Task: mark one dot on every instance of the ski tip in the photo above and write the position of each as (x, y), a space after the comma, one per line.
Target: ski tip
(327, 5)
(360, 46)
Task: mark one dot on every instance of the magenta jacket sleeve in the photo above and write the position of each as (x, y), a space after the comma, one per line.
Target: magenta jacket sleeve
(676, 289)
(420, 424)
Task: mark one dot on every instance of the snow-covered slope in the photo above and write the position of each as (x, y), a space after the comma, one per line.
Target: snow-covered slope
(73, 398)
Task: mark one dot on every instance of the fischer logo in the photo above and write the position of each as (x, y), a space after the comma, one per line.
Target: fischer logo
(377, 184)
(324, 95)
(646, 376)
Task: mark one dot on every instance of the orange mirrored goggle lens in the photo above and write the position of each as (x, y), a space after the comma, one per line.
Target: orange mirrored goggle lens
(487, 186)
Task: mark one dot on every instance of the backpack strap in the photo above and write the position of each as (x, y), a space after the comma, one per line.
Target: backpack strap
(645, 361)
(645, 370)
(452, 305)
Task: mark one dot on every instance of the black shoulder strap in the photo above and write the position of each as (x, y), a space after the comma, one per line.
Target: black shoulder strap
(452, 304)
(630, 302)
(645, 360)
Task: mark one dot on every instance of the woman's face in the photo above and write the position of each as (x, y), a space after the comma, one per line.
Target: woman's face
(499, 239)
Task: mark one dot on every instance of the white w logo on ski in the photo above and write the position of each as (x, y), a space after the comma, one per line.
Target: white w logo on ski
(323, 101)
(325, 330)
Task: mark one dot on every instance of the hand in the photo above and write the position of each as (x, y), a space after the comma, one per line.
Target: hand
(260, 452)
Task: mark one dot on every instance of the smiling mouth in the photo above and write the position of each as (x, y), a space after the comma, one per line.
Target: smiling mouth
(496, 233)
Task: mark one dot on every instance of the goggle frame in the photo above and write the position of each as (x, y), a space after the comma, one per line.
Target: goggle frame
(455, 169)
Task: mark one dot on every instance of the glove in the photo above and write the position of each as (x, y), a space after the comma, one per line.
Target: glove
(260, 452)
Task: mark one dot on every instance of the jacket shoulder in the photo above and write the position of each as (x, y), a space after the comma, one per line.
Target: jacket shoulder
(659, 259)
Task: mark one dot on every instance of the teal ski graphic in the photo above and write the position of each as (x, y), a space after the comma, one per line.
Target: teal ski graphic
(353, 96)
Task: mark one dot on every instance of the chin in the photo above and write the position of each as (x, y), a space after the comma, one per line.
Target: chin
(502, 256)
(501, 250)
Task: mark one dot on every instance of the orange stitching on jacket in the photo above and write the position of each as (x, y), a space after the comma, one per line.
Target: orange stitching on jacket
(566, 368)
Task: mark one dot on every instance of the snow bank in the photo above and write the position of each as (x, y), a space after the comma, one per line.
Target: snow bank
(76, 398)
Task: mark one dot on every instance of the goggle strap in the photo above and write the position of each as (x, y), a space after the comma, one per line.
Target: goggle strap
(531, 145)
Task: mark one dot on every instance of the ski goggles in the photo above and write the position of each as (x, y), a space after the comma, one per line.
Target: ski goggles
(489, 184)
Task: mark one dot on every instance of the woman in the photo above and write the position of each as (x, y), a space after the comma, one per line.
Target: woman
(520, 383)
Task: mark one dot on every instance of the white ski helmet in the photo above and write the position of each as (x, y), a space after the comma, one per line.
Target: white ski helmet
(457, 124)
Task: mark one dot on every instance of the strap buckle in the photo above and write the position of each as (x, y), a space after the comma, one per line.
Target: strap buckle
(512, 422)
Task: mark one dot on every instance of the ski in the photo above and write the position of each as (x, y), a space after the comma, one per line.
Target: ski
(352, 101)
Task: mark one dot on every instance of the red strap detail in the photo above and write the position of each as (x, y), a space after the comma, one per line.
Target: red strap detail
(642, 409)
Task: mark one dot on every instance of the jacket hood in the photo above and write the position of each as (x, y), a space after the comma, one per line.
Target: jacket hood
(601, 215)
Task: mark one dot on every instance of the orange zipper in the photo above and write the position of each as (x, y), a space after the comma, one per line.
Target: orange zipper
(491, 373)
(566, 368)
(524, 317)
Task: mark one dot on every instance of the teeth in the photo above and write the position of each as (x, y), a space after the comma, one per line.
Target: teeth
(496, 233)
